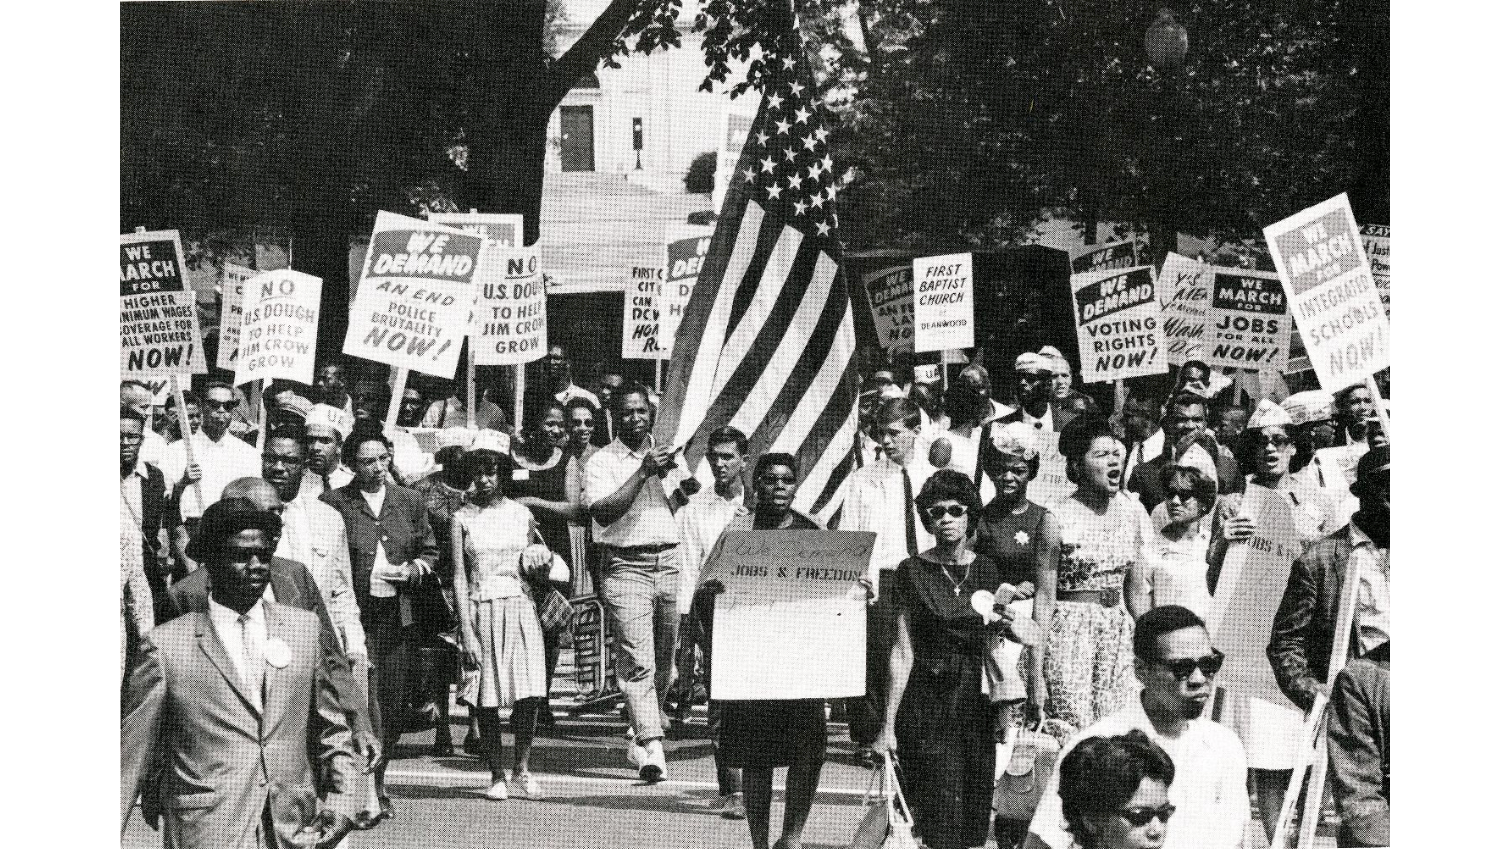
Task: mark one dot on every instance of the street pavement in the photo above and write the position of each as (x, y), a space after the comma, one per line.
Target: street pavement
(592, 799)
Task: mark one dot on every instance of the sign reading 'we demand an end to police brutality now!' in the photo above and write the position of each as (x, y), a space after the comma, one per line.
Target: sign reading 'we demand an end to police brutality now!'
(414, 300)
(159, 321)
(1336, 304)
(1118, 325)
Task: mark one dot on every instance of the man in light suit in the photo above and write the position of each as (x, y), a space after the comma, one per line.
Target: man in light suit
(393, 552)
(232, 703)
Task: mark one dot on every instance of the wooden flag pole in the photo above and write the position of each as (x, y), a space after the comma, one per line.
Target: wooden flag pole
(944, 369)
(185, 432)
(400, 378)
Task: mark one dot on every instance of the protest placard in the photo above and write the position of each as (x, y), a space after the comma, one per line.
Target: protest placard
(1253, 579)
(1184, 290)
(496, 228)
(279, 324)
(641, 317)
(1052, 481)
(790, 623)
(1248, 324)
(1376, 242)
(1117, 324)
(159, 320)
(1104, 257)
(685, 249)
(414, 298)
(510, 313)
(232, 280)
(1327, 274)
(943, 302)
(736, 125)
(889, 293)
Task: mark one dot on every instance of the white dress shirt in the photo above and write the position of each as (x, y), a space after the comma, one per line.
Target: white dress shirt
(699, 524)
(1210, 790)
(1373, 588)
(221, 461)
(875, 502)
(649, 520)
(246, 655)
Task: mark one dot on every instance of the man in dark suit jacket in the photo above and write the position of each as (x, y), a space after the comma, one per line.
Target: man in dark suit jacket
(1033, 376)
(229, 711)
(1300, 646)
(393, 550)
(145, 495)
(1185, 419)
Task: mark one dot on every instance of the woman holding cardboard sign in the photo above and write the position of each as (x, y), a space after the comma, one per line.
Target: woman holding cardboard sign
(938, 720)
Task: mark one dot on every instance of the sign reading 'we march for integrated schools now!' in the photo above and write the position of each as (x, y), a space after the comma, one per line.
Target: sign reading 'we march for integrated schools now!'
(1118, 325)
(1327, 274)
(159, 321)
(414, 299)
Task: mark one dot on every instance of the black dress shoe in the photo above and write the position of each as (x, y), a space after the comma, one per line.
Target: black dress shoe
(442, 749)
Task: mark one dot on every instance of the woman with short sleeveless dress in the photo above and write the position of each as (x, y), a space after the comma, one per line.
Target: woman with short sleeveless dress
(1103, 557)
(500, 628)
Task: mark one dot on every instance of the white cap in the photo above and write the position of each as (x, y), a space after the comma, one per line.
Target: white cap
(324, 415)
(926, 373)
(1015, 438)
(1269, 414)
(1029, 361)
(1312, 405)
(490, 440)
(457, 437)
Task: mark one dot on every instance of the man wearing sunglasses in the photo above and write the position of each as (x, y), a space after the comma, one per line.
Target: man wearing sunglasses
(1177, 665)
(219, 458)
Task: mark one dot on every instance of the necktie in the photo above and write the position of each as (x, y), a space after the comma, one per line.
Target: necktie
(907, 511)
(251, 660)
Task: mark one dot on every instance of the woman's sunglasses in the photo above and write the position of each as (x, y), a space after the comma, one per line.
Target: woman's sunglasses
(1143, 816)
(938, 511)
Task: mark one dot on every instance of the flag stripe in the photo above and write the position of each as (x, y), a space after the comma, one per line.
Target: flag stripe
(772, 279)
(824, 478)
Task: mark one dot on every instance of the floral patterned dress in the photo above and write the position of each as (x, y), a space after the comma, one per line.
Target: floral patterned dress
(1088, 664)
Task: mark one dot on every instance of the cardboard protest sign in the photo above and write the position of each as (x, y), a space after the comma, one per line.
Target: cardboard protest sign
(510, 313)
(414, 298)
(1184, 290)
(1376, 242)
(685, 249)
(496, 228)
(1117, 323)
(1051, 483)
(232, 280)
(159, 321)
(1104, 257)
(1249, 323)
(889, 293)
(279, 324)
(790, 623)
(642, 318)
(1328, 276)
(943, 302)
(1254, 575)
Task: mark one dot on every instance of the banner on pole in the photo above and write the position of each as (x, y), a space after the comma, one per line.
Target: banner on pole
(1249, 320)
(685, 249)
(785, 594)
(232, 282)
(1376, 242)
(414, 298)
(159, 320)
(737, 120)
(943, 302)
(1104, 257)
(889, 293)
(641, 318)
(1327, 274)
(279, 324)
(509, 316)
(1184, 290)
(1117, 324)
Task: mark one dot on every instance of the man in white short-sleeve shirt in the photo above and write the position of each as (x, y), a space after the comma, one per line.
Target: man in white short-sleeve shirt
(632, 519)
(1175, 661)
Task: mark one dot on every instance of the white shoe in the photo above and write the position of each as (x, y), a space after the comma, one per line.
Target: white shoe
(653, 767)
(499, 792)
(730, 807)
(528, 785)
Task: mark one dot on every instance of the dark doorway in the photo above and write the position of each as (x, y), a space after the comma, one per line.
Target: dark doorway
(576, 138)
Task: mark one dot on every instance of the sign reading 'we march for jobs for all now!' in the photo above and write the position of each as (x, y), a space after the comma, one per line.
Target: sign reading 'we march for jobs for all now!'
(1249, 320)
(1118, 324)
(1327, 274)
(415, 295)
(159, 321)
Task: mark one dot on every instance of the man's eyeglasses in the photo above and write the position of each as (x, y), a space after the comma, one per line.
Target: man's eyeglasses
(132, 438)
(1183, 667)
(1143, 816)
(938, 511)
(222, 405)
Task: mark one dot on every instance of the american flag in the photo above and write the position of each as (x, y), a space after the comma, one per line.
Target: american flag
(767, 341)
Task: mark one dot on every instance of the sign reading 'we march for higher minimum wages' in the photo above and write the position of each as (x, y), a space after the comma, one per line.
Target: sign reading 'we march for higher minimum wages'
(1329, 279)
(159, 320)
